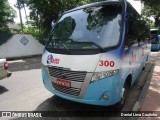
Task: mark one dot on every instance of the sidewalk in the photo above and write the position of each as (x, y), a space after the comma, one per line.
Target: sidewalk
(152, 99)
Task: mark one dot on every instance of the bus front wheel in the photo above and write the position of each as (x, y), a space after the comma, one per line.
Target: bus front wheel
(123, 97)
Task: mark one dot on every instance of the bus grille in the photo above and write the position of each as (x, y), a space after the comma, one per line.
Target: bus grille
(77, 76)
(70, 91)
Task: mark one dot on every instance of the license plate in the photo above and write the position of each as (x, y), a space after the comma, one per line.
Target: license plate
(63, 83)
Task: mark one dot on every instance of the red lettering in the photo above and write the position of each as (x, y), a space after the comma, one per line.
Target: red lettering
(112, 63)
(133, 57)
(106, 63)
(55, 61)
(101, 63)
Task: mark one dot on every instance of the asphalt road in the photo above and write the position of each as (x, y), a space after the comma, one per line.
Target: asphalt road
(24, 91)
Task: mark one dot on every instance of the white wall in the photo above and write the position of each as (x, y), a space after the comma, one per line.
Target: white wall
(14, 47)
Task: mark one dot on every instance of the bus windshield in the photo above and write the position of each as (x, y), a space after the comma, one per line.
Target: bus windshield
(155, 40)
(154, 32)
(95, 28)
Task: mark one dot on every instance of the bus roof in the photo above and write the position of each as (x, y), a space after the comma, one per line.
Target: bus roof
(101, 3)
(95, 4)
(154, 29)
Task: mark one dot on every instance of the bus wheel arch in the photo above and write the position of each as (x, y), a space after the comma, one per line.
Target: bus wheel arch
(128, 81)
(127, 84)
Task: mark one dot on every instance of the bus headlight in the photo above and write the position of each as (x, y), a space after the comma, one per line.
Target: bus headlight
(100, 75)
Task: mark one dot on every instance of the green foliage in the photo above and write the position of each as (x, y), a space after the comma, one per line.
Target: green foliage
(149, 22)
(43, 12)
(152, 9)
(36, 32)
(4, 35)
(6, 12)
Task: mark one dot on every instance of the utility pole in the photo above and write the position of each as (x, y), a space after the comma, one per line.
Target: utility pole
(25, 13)
(19, 6)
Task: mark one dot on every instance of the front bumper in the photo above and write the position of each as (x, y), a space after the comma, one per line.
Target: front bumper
(94, 93)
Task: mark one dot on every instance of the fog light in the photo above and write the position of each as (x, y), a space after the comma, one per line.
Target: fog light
(105, 97)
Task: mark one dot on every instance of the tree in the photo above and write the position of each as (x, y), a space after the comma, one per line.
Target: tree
(6, 13)
(44, 11)
(152, 9)
(19, 5)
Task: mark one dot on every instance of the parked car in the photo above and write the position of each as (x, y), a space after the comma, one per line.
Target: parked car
(4, 73)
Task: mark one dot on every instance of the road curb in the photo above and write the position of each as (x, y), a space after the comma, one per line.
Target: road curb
(23, 57)
(138, 104)
(24, 61)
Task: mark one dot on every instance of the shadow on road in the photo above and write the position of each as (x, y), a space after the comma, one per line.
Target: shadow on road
(25, 64)
(56, 103)
(3, 90)
(72, 110)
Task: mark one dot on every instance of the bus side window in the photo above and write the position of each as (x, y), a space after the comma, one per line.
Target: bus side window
(130, 36)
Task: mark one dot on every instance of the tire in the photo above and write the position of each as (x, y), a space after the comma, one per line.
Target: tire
(120, 105)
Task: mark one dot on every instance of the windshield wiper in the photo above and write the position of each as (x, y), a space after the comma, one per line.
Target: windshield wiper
(98, 46)
(95, 44)
(63, 45)
(54, 43)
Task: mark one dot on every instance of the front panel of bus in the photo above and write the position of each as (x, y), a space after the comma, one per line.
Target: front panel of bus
(155, 43)
(82, 59)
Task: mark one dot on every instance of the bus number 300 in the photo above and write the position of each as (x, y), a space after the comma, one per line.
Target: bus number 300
(106, 63)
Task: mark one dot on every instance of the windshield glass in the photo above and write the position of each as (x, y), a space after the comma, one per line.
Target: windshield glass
(155, 40)
(89, 28)
(154, 32)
